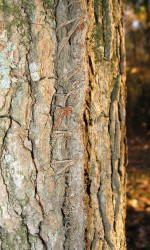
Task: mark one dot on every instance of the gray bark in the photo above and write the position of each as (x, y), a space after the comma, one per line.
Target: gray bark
(62, 125)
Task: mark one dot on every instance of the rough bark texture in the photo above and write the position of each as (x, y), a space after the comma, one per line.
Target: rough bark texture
(62, 125)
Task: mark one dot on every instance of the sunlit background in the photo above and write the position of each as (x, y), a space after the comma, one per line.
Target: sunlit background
(137, 25)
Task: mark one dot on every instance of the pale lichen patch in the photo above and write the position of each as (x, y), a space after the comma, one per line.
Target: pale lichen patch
(33, 67)
(6, 60)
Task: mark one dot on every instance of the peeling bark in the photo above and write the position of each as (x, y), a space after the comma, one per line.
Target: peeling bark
(62, 125)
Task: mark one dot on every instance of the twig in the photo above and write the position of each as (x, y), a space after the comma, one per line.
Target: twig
(63, 112)
(71, 91)
(67, 76)
(67, 163)
(67, 37)
(67, 22)
(62, 132)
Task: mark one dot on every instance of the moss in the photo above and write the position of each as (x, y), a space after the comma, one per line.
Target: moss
(97, 33)
(114, 94)
(49, 8)
(2, 132)
(29, 8)
(14, 16)
(98, 41)
(98, 30)
(16, 239)
(5, 7)
(97, 9)
(48, 4)
(107, 34)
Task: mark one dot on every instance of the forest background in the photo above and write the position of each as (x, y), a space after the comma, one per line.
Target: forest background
(137, 25)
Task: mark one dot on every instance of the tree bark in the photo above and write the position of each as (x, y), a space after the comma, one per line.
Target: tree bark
(62, 125)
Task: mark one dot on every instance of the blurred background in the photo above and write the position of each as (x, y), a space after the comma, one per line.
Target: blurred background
(137, 26)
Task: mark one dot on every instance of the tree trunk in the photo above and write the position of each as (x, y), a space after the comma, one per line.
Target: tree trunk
(62, 125)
